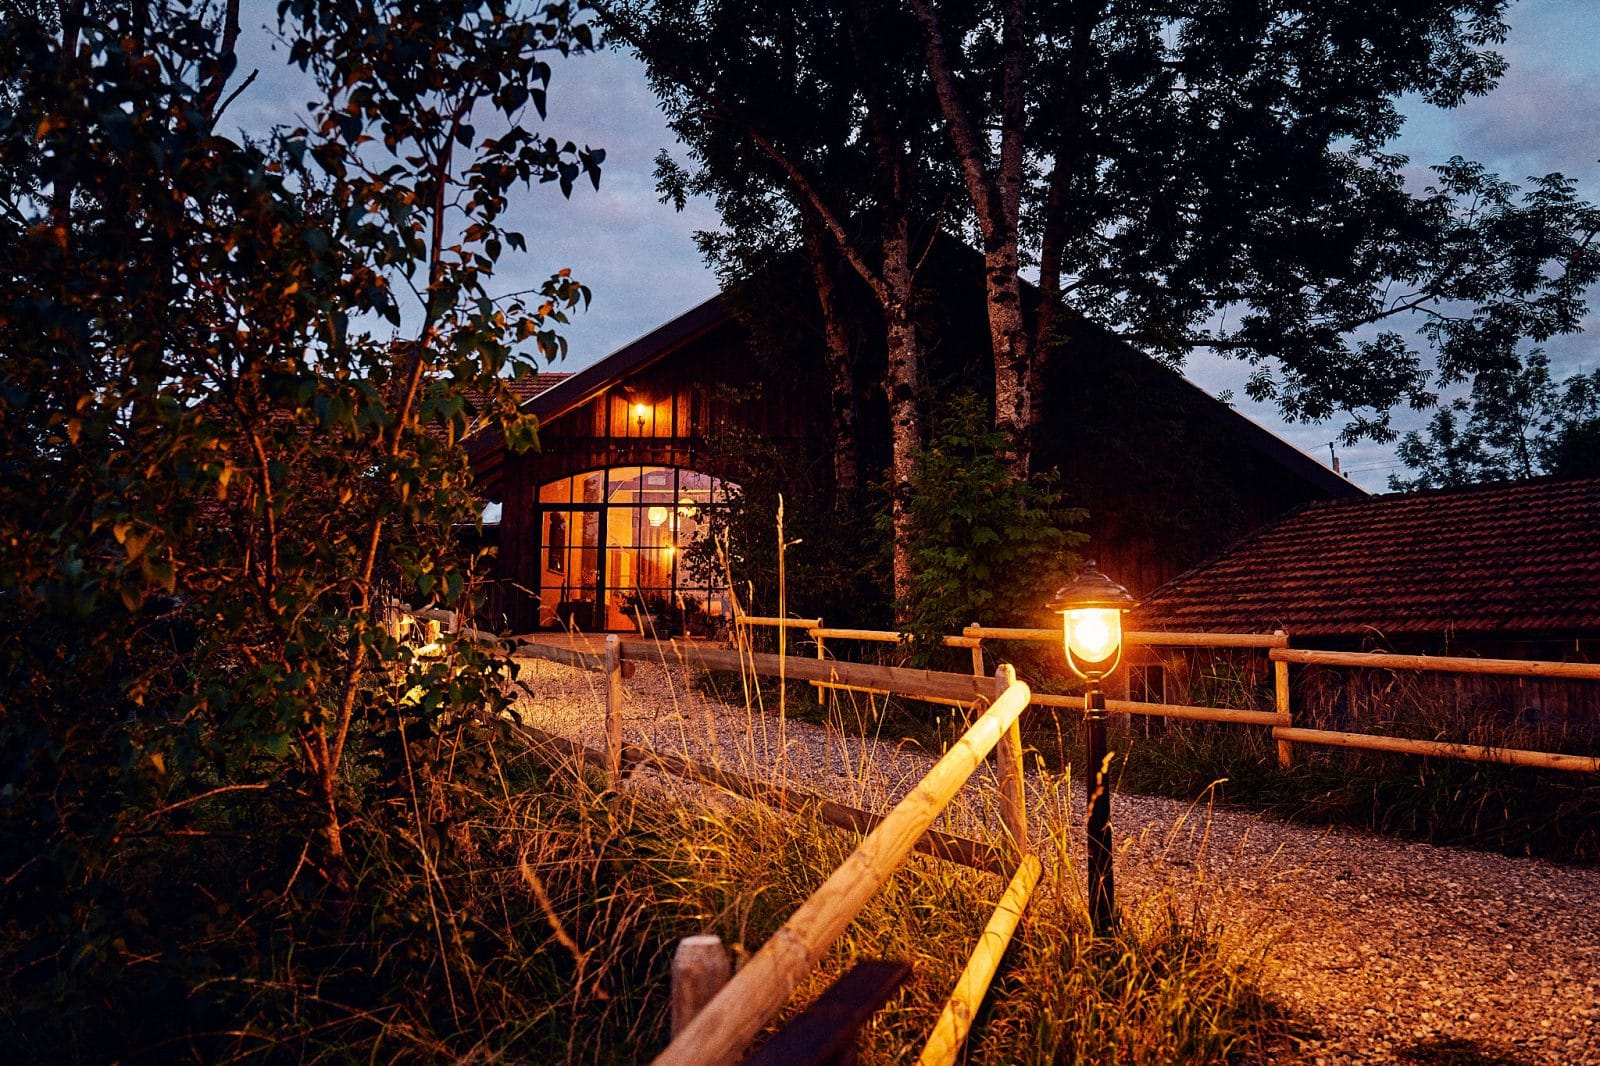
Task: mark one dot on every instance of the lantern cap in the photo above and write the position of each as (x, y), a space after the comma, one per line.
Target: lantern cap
(1091, 588)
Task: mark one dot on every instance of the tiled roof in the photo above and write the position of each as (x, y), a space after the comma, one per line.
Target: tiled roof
(527, 388)
(1508, 558)
(524, 388)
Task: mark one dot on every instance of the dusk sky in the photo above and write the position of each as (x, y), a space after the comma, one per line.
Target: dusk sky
(639, 258)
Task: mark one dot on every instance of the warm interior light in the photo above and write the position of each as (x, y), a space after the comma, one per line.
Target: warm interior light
(1093, 633)
(686, 507)
(639, 411)
(658, 516)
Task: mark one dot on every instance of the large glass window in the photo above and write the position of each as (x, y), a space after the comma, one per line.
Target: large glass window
(611, 550)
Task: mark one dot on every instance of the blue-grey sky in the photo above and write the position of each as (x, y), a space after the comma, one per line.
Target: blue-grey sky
(638, 255)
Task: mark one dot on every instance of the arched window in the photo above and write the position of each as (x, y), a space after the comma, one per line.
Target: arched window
(611, 550)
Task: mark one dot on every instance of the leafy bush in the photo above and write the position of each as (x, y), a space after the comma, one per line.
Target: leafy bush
(219, 459)
(983, 543)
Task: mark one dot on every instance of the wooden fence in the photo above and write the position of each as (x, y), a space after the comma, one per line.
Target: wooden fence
(725, 1025)
(1280, 720)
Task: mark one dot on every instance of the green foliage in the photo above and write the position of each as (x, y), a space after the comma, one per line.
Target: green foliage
(984, 545)
(219, 459)
(1519, 423)
(1221, 180)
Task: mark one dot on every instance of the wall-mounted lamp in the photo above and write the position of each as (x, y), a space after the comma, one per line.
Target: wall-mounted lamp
(1091, 607)
(639, 413)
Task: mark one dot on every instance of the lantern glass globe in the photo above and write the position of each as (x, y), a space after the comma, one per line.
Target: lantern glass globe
(1093, 633)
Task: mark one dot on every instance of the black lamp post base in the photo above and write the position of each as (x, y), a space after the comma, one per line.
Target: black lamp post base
(1102, 877)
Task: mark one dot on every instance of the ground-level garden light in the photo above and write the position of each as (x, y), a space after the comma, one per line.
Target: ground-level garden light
(1091, 607)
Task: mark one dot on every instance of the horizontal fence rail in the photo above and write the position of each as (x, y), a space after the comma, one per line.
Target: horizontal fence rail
(1441, 663)
(1280, 720)
(1143, 638)
(1441, 749)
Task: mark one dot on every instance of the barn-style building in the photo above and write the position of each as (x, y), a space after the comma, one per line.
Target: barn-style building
(592, 525)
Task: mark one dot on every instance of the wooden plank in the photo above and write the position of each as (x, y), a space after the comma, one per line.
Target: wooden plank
(767, 980)
(569, 656)
(787, 623)
(822, 653)
(1148, 638)
(826, 1032)
(955, 1022)
(1008, 760)
(1280, 700)
(1442, 663)
(613, 668)
(888, 636)
(1542, 760)
(832, 687)
(949, 847)
(1164, 710)
(700, 968)
(898, 679)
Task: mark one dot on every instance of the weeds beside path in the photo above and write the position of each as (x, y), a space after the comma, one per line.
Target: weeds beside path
(1388, 951)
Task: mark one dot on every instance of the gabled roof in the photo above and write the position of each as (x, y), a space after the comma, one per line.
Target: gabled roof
(569, 391)
(556, 394)
(1519, 558)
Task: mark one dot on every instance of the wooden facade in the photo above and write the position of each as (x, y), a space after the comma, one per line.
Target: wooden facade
(1168, 474)
(637, 434)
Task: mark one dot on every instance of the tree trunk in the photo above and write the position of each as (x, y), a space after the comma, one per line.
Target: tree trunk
(839, 360)
(903, 384)
(1008, 336)
(994, 183)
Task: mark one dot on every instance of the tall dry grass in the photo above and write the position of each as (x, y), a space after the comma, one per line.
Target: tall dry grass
(508, 906)
(1520, 811)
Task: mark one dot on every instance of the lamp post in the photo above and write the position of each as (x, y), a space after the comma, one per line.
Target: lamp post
(1091, 607)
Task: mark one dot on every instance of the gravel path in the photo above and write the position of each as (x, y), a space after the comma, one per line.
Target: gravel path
(1391, 951)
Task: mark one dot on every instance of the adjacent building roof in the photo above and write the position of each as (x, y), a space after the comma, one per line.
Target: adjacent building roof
(1512, 558)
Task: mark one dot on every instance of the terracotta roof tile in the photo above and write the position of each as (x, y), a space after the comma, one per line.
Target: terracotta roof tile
(1509, 558)
(524, 388)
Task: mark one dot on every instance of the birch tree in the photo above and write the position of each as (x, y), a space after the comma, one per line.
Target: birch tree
(1214, 175)
(799, 105)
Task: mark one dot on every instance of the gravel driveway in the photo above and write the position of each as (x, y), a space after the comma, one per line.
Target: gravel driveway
(1391, 951)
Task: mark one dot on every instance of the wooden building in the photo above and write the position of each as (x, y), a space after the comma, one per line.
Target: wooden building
(594, 523)
(1508, 570)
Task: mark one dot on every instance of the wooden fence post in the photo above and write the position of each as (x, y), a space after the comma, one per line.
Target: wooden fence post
(1008, 759)
(823, 691)
(977, 655)
(699, 970)
(613, 669)
(1280, 687)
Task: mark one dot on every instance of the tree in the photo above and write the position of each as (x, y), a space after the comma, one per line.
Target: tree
(1204, 175)
(793, 117)
(1197, 174)
(983, 542)
(1517, 424)
(222, 456)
